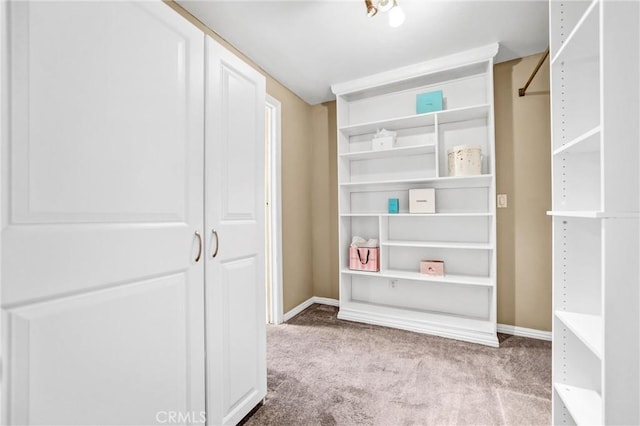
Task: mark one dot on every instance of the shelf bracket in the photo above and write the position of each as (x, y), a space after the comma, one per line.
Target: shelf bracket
(523, 90)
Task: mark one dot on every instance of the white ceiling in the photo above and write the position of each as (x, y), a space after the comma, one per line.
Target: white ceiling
(310, 45)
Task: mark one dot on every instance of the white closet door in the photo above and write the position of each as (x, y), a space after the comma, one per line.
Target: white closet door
(102, 195)
(234, 217)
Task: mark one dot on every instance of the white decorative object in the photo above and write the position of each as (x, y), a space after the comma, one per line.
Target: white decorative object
(361, 242)
(422, 200)
(465, 160)
(384, 139)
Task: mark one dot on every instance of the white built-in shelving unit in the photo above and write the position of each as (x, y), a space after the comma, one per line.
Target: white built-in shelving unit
(595, 156)
(462, 231)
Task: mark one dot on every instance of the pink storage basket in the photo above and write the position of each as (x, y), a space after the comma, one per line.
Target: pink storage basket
(364, 259)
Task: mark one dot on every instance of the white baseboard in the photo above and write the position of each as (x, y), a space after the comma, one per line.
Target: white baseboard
(387, 319)
(304, 305)
(524, 332)
(502, 328)
(326, 301)
(295, 311)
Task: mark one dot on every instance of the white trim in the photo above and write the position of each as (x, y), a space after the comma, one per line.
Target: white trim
(295, 311)
(443, 325)
(501, 328)
(326, 301)
(420, 326)
(4, 141)
(275, 203)
(458, 59)
(524, 332)
(304, 305)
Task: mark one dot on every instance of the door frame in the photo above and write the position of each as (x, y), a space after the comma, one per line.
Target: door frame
(4, 135)
(276, 306)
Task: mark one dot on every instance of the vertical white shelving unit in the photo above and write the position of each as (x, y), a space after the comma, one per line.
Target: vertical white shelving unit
(462, 231)
(595, 139)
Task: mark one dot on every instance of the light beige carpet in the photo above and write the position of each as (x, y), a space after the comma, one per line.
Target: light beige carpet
(324, 371)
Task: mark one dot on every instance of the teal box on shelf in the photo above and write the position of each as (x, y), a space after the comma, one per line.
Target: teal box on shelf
(394, 205)
(429, 102)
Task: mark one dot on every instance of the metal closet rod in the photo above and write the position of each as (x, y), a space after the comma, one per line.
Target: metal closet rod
(523, 90)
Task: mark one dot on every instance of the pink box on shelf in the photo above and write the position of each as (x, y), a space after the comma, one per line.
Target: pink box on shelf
(432, 267)
(364, 259)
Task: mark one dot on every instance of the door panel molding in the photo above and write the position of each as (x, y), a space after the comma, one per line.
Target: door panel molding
(49, 119)
(238, 93)
(75, 342)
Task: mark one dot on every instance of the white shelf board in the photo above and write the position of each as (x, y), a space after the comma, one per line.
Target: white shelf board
(584, 405)
(480, 181)
(417, 120)
(583, 39)
(389, 153)
(384, 214)
(587, 328)
(463, 114)
(592, 214)
(587, 142)
(416, 276)
(589, 214)
(406, 122)
(438, 244)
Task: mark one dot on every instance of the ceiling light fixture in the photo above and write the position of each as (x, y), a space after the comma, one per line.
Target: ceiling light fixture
(386, 5)
(396, 14)
(371, 9)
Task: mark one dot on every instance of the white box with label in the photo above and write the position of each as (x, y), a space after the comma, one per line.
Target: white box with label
(422, 200)
(383, 142)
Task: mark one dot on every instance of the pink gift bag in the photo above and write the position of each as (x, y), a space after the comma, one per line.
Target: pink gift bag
(364, 259)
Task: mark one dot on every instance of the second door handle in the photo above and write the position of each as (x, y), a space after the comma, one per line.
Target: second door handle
(214, 233)
(199, 246)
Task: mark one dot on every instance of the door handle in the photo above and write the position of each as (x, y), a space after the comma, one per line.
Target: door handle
(199, 246)
(215, 234)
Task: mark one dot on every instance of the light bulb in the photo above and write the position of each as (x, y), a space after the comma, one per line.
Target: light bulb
(396, 17)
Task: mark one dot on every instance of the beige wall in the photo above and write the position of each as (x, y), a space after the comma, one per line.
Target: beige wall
(523, 150)
(296, 197)
(297, 136)
(324, 201)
